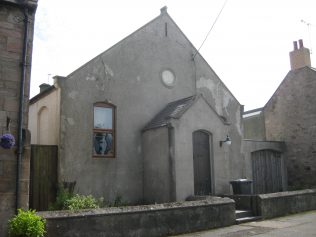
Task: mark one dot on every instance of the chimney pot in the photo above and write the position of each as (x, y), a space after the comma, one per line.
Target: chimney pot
(295, 45)
(44, 87)
(300, 42)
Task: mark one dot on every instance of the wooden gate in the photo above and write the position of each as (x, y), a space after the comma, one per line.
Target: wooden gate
(201, 162)
(267, 171)
(43, 177)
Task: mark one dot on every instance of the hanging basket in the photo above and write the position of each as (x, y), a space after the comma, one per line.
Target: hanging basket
(7, 141)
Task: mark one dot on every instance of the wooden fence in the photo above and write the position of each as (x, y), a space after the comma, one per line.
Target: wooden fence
(43, 178)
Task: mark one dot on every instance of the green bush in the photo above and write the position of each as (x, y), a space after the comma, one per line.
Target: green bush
(63, 195)
(27, 223)
(81, 202)
(118, 202)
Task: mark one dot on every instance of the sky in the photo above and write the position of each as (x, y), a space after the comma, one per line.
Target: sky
(248, 47)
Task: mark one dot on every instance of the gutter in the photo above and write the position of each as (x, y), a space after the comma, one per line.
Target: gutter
(21, 108)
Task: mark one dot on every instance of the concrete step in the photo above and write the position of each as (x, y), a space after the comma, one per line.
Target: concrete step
(247, 219)
(243, 213)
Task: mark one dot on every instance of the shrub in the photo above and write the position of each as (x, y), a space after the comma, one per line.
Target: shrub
(118, 202)
(27, 223)
(63, 195)
(81, 202)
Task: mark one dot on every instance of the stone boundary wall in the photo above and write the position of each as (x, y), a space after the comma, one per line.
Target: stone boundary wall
(150, 220)
(284, 203)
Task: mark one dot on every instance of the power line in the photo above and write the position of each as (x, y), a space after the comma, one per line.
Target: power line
(211, 27)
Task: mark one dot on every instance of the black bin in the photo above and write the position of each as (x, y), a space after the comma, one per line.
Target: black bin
(241, 186)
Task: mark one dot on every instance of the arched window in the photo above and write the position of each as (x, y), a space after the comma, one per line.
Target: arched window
(43, 126)
(104, 130)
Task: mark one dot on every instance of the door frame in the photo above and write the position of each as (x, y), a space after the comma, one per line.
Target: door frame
(211, 158)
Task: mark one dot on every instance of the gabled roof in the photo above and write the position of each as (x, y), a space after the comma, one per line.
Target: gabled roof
(299, 70)
(175, 110)
(163, 13)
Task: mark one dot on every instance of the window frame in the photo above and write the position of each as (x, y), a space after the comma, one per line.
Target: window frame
(103, 130)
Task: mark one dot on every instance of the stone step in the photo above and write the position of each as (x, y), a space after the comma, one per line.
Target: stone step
(247, 219)
(243, 213)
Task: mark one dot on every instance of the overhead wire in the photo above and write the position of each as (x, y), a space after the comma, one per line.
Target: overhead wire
(218, 15)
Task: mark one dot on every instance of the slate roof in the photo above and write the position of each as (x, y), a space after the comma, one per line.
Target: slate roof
(173, 110)
(42, 94)
(298, 70)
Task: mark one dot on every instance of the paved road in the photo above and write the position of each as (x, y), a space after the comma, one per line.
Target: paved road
(299, 225)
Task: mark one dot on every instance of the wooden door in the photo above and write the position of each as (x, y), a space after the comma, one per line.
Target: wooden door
(43, 176)
(201, 163)
(267, 171)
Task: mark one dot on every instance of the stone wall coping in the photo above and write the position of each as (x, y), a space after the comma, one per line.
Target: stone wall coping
(288, 193)
(253, 140)
(214, 201)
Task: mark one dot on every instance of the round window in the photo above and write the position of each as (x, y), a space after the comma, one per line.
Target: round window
(168, 78)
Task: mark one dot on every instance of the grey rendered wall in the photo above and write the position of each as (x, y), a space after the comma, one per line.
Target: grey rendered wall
(157, 173)
(128, 75)
(249, 146)
(290, 116)
(201, 117)
(225, 104)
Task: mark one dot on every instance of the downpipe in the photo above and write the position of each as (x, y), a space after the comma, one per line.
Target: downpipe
(21, 109)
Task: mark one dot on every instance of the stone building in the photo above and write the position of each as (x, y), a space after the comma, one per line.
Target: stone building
(290, 116)
(16, 38)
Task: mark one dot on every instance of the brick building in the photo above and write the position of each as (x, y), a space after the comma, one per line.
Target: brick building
(16, 38)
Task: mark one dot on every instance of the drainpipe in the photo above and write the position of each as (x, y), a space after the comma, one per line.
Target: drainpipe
(172, 170)
(21, 109)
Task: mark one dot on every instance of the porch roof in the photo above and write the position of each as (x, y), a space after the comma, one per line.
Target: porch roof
(173, 110)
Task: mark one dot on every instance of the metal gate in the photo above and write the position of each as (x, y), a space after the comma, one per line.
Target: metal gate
(201, 162)
(43, 177)
(267, 171)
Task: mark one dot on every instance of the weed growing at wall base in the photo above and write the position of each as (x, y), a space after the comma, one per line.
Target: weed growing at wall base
(81, 202)
(63, 195)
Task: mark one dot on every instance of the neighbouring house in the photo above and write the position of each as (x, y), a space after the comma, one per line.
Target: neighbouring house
(290, 116)
(148, 120)
(16, 39)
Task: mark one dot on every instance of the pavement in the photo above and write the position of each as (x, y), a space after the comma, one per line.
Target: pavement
(298, 225)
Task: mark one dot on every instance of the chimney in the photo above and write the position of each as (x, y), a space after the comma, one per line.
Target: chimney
(44, 87)
(163, 10)
(300, 57)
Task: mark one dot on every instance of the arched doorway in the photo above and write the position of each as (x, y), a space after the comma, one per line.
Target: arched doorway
(202, 163)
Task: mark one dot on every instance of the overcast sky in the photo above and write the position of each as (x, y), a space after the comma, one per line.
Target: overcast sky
(248, 48)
